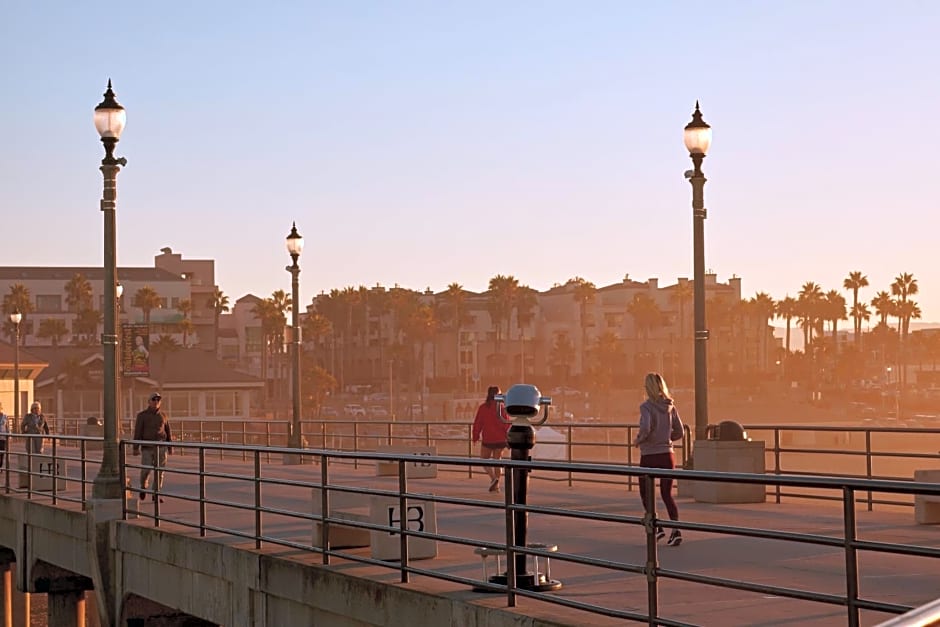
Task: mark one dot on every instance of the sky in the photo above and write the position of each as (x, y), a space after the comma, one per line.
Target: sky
(428, 143)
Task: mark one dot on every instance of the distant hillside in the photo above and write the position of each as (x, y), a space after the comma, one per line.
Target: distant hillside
(796, 334)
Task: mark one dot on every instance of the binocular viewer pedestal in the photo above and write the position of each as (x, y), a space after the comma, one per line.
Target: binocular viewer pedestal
(521, 439)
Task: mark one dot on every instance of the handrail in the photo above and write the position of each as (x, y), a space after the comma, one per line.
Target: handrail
(923, 616)
(219, 464)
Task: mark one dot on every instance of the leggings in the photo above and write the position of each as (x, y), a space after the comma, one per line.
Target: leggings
(660, 460)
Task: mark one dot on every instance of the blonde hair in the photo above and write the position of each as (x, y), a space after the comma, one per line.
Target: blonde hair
(656, 387)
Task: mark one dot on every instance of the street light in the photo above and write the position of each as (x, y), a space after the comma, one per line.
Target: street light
(698, 137)
(295, 244)
(16, 317)
(110, 119)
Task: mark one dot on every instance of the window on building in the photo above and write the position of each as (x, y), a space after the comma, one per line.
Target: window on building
(163, 302)
(48, 303)
(253, 340)
(181, 404)
(175, 302)
(223, 403)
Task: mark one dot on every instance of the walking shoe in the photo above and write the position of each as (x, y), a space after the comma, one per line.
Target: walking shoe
(494, 485)
(143, 496)
(675, 538)
(660, 533)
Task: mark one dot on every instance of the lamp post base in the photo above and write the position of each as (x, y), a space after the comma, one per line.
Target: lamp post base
(108, 487)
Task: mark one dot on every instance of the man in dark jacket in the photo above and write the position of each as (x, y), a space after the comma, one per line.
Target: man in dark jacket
(152, 424)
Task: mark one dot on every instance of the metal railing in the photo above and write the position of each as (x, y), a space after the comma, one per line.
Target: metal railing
(266, 503)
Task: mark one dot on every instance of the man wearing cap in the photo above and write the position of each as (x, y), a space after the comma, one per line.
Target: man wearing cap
(152, 424)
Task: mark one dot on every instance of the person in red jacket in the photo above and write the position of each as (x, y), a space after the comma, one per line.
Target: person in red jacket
(491, 423)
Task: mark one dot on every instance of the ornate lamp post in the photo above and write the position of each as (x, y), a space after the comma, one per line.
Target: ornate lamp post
(295, 244)
(16, 317)
(110, 119)
(698, 137)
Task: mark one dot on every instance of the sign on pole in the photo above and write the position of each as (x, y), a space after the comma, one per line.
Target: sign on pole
(135, 349)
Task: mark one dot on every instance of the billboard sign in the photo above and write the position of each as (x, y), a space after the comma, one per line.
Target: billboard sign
(135, 349)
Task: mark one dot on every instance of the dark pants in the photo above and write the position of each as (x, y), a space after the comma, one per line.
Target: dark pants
(3, 450)
(660, 460)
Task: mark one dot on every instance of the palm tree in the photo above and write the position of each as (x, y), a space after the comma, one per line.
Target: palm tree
(585, 293)
(682, 294)
(526, 304)
(834, 307)
(502, 297)
(455, 304)
(218, 303)
(86, 325)
(606, 354)
(860, 313)
(53, 329)
(161, 348)
(808, 302)
(18, 298)
(560, 358)
(378, 304)
(883, 305)
(316, 328)
(787, 309)
(185, 307)
(763, 306)
(855, 281)
(147, 299)
(646, 316)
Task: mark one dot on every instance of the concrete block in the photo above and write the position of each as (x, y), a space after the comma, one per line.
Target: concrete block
(92, 431)
(729, 456)
(417, 469)
(927, 508)
(421, 516)
(346, 505)
(44, 472)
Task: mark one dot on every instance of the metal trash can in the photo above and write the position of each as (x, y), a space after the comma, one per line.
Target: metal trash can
(727, 431)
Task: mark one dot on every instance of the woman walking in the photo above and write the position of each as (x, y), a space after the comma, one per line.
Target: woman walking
(660, 426)
(491, 424)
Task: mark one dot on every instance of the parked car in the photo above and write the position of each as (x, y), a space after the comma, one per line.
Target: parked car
(354, 410)
(377, 411)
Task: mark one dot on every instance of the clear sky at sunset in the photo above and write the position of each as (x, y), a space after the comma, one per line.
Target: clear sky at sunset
(425, 143)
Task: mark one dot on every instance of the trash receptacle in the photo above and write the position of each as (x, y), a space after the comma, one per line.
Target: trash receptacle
(726, 431)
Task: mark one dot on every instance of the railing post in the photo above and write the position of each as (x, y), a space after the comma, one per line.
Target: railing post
(403, 520)
(244, 441)
(324, 508)
(257, 499)
(55, 471)
(851, 555)
(202, 491)
(83, 472)
(570, 475)
(777, 461)
(355, 444)
(868, 465)
(649, 525)
(510, 538)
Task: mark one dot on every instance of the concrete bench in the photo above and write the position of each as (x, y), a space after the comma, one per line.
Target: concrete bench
(347, 506)
(486, 553)
(43, 473)
(417, 469)
(927, 508)
(421, 516)
(378, 510)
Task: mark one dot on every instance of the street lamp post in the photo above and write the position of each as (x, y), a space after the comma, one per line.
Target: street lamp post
(110, 119)
(295, 244)
(16, 317)
(698, 137)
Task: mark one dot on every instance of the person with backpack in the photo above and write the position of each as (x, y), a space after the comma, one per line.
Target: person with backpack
(34, 422)
(152, 425)
(660, 426)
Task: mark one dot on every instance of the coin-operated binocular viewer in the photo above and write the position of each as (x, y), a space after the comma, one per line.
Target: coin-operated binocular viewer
(523, 404)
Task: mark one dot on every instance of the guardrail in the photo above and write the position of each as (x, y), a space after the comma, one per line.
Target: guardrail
(211, 514)
(224, 492)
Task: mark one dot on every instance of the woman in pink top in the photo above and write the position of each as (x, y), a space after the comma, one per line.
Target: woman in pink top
(491, 424)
